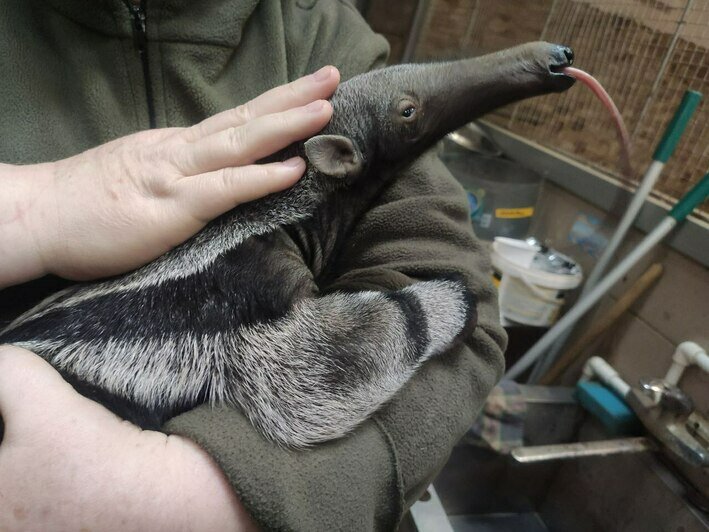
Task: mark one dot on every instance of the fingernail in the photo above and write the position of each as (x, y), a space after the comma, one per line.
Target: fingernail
(315, 107)
(322, 74)
(293, 162)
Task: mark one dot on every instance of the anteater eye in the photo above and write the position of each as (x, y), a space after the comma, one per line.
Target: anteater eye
(408, 112)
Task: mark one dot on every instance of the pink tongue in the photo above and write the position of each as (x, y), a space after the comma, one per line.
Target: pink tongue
(600, 92)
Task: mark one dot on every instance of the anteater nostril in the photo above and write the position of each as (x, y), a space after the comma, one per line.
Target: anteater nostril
(569, 53)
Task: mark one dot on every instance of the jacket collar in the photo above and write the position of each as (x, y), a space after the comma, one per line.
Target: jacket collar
(210, 21)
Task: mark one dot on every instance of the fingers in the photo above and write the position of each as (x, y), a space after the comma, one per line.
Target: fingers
(210, 194)
(302, 91)
(27, 385)
(255, 140)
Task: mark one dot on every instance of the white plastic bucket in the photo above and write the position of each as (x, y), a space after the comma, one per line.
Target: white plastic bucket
(528, 295)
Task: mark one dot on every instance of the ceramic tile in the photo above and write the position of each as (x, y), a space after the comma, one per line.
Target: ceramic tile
(678, 306)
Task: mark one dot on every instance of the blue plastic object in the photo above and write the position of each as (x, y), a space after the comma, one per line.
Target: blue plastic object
(610, 409)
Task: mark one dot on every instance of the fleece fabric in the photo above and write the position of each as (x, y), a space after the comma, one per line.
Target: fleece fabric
(72, 78)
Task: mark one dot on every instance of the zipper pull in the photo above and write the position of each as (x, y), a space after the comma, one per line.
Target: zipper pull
(140, 37)
(136, 8)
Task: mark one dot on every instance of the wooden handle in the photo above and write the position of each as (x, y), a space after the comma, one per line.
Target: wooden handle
(630, 296)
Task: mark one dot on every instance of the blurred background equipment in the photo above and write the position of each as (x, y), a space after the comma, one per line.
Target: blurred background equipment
(502, 194)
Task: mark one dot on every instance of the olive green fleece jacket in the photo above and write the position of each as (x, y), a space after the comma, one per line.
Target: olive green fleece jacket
(71, 78)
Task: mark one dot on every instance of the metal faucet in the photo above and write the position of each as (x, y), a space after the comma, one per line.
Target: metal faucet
(668, 414)
(664, 409)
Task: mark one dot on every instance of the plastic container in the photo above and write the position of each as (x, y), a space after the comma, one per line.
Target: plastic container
(532, 291)
(502, 194)
(520, 252)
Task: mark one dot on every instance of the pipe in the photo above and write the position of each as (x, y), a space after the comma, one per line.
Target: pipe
(686, 354)
(604, 372)
(663, 152)
(678, 213)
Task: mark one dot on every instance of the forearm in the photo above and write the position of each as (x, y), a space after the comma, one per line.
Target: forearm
(21, 255)
(165, 483)
(203, 494)
(67, 463)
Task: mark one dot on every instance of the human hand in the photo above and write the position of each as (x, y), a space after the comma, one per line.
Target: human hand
(122, 204)
(67, 463)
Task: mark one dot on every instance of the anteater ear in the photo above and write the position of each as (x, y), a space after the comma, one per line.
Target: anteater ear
(334, 155)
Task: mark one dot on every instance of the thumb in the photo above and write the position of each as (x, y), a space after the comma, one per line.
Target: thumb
(28, 387)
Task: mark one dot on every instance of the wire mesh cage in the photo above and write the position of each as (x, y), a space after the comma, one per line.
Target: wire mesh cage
(646, 53)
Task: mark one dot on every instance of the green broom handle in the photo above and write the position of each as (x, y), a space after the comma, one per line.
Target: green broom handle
(677, 125)
(691, 199)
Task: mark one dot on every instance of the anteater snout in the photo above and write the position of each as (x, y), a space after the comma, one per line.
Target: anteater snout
(559, 57)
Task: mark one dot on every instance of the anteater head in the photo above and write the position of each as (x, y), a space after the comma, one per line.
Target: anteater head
(389, 117)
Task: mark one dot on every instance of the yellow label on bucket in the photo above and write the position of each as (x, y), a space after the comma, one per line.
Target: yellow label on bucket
(522, 212)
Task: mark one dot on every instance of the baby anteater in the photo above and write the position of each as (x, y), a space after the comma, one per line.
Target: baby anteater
(235, 314)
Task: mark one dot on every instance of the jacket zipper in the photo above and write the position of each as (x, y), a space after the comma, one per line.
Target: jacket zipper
(136, 9)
